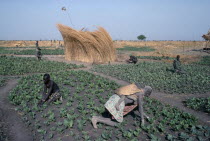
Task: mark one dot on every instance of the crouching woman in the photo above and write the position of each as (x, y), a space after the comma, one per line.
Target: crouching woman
(125, 100)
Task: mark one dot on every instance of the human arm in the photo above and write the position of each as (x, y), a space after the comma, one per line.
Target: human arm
(44, 92)
(46, 96)
(141, 111)
(43, 96)
(174, 65)
(122, 98)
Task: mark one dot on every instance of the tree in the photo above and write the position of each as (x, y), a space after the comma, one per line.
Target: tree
(141, 37)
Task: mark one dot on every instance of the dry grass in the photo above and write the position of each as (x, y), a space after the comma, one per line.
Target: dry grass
(163, 48)
(30, 43)
(167, 47)
(85, 46)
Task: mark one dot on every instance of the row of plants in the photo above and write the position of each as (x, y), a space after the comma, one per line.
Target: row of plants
(84, 96)
(17, 65)
(195, 81)
(200, 104)
(205, 60)
(156, 57)
(3, 135)
(20, 51)
(2, 81)
(141, 49)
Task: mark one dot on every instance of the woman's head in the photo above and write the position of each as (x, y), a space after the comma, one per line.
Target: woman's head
(147, 91)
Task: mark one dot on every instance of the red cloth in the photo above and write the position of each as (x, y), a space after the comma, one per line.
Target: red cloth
(127, 109)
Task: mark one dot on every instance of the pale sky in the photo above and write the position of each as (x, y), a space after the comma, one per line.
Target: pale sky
(123, 19)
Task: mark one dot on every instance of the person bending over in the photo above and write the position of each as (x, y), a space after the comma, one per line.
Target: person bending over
(125, 100)
(133, 59)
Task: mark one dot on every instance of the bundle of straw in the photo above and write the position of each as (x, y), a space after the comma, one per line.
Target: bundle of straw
(86, 46)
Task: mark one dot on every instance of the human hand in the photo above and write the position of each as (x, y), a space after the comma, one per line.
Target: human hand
(117, 107)
(146, 116)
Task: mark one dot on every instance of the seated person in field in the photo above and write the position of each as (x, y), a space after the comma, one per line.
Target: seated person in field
(133, 59)
(51, 91)
(126, 99)
(176, 66)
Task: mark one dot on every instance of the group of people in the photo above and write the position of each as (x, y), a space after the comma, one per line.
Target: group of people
(129, 97)
(176, 64)
(124, 100)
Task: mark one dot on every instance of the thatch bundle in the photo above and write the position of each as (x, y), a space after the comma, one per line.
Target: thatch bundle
(206, 37)
(87, 46)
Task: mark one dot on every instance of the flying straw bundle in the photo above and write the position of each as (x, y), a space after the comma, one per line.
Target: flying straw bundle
(87, 46)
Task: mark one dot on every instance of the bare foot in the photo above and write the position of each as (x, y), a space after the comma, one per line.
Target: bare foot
(94, 122)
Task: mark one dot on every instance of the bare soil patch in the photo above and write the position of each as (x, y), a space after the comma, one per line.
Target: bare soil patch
(12, 128)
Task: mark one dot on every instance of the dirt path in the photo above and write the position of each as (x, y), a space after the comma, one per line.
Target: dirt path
(11, 122)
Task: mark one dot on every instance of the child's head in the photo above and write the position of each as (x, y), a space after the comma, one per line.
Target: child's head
(178, 57)
(46, 78)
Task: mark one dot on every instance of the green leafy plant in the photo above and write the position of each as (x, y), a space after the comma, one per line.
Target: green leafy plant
(20, 65)
(140, 49)
(195, 81)
(202, 104)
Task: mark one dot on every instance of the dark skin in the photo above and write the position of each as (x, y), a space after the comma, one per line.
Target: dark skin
(127, 100)
(177, 66)
(37, 43)
(38, 54)
(139, 102)
(50, 87)
(132, 59)
(177, 63)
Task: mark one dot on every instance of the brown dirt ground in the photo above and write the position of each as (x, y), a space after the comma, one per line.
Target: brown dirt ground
(10, 121)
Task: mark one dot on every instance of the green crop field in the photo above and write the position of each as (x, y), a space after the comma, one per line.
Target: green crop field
(140, 49)
(195, 81)
(84, 96)
(156, 57)
(205, 60)
(18, 65)
(30, 51)
(200, 104)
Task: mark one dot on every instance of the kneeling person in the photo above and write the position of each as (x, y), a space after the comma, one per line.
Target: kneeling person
(51, 91)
